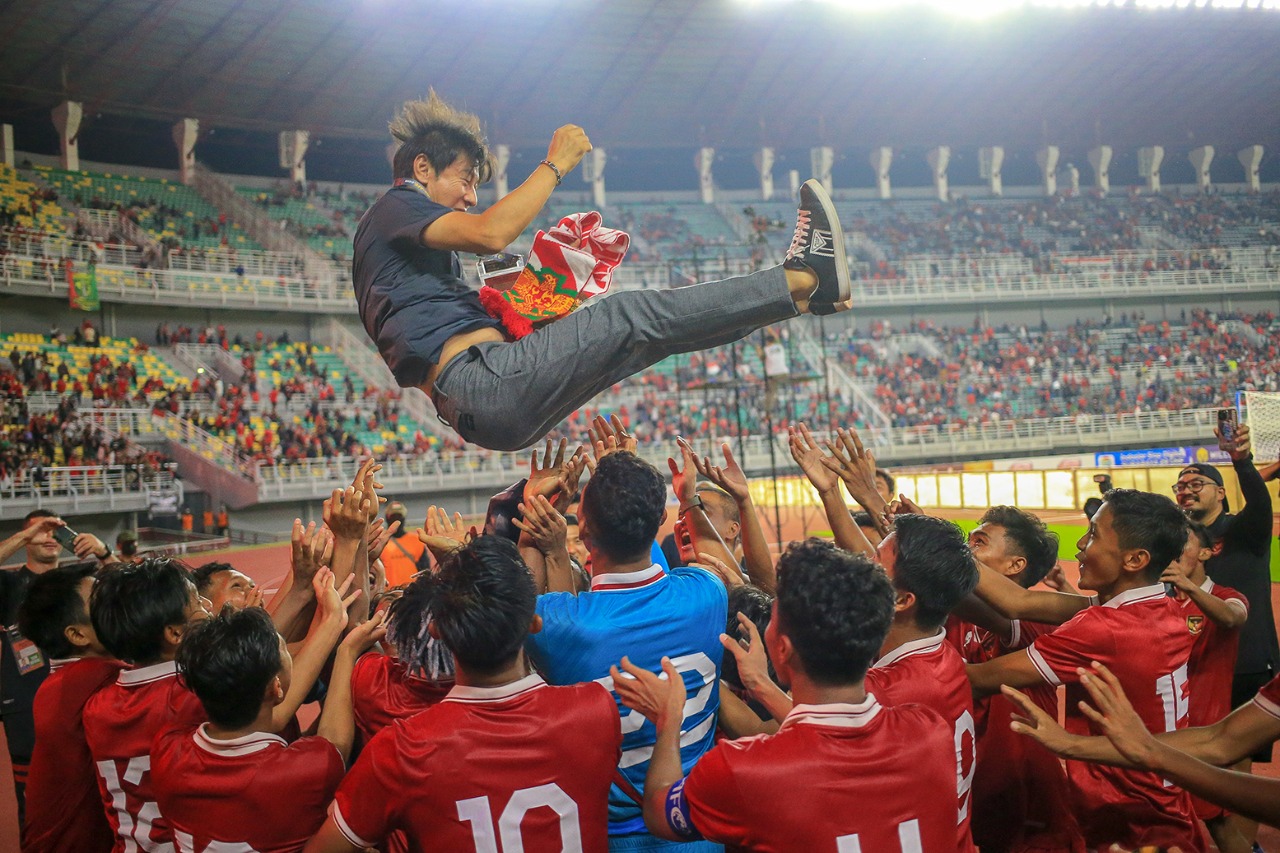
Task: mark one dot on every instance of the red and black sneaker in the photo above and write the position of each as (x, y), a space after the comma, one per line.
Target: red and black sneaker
(818, 246)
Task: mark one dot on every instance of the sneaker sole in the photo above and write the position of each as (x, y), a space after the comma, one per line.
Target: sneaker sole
(843, 283)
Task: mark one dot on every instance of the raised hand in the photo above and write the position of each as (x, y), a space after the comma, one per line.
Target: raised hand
(441, 535)
(684, 475)
(363, 636)
(1115, 717)
(728, 477)
(332, 602)
(310, 548)
(544, 524)
(569, 144)
(1175, 575)
(544, 476)
(364, 482)
(86, 545)
(809, 457)
(378, 535)
(347, 513)
(856, 466)
(730, 576)
(753, 662)
(659, 699)
(609, 436)
(1240, 446)
(1036, 724)
(1057, 580)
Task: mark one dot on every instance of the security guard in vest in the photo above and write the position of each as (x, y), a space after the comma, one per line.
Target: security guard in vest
(405, 555)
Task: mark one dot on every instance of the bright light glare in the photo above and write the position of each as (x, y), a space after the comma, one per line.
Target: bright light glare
(990, 8)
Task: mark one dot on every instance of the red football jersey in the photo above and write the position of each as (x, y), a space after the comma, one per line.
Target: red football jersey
(1268, 698)
(121, 722)
(1018, 787)
(218, 791)
(1141, 636)
(538, 763)
(64, 808)
(863, 777)
(1210, 670)
(384, 692)
(930, 672)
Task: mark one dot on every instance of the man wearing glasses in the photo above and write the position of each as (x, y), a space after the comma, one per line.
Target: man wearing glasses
(1241, 559)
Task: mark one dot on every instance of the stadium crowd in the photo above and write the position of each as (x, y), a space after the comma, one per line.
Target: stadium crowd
(558, 683)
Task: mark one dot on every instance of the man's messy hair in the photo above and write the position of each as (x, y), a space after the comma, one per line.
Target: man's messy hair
(440, 133)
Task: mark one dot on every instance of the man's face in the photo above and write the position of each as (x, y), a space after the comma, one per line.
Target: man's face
(1198, 504)
(1099, 552)
(1192, 559)
(573, 541)
(887, 553)
(882, 486)
(229, 587)
(43, 549)
(990, 546)
(286, 665)
(454, 187)
(86, 628)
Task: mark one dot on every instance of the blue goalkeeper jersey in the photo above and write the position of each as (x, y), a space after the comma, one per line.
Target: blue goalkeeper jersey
(644, 615)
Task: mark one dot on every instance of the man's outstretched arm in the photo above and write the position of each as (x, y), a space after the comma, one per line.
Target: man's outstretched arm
(1013, 602)
(501, 224)
(1241, 733)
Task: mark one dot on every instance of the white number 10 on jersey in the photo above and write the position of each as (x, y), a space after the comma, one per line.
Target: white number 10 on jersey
(477, 812)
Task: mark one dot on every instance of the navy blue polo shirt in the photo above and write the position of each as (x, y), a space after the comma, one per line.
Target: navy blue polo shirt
(411, 298)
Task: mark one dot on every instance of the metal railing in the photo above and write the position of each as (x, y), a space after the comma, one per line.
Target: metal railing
(84, 489)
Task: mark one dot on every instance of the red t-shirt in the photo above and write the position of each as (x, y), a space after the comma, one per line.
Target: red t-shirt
(1018, 787)
(64, 809)
(222, 791)
(1141, 636)
(1213, 657)
(930, 672)
(834, 777)
(1210, 670)
(525, 762)
(385, 692)
(121, 722)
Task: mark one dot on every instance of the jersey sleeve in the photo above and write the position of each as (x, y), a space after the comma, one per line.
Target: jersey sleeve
(410, 217)
(714, 801)
(1232, 598)
(364, 806)
(1268, 698)
(1076, 643)
(320, 767)
(559, 634)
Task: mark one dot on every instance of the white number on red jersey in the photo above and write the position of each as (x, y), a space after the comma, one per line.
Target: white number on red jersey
(187, 844)
(134, 830)
(1172, 690)
(908, 840)
(476, 811)
(965, 758)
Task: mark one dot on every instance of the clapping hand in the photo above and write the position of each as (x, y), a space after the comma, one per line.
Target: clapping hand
(810, 458)
(443, 536)
(728, 477)
(544, 524)
(608, 436)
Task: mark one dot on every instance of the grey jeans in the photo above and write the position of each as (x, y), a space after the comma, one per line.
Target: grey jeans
(507, 396)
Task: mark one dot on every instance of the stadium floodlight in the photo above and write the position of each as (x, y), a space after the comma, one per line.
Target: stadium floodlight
(990, 8)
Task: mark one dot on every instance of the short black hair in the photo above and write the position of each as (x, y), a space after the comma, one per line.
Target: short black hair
(131, 606)
(203, 575)
(37, 513)
(714, 496)
(1149, 522)
(483, 602)
(1201, 533)
(835, 607)
(1030, 539)
(623, 502)
(1091, 507)
(888, 478)
(933, 563)
(53, 604)
(228, 661)
(757, 605)
(862, 518)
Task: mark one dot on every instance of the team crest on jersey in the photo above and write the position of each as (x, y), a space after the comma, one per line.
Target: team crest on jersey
(1195, 624)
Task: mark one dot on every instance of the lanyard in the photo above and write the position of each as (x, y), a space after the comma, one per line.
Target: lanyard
(410, 182)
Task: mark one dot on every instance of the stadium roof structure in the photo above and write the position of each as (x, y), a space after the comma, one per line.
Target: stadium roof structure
(661, 73)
